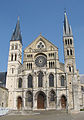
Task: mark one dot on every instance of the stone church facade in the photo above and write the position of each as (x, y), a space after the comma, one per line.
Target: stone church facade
(42, 81)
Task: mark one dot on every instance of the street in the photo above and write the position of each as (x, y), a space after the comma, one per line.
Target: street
(46, 115)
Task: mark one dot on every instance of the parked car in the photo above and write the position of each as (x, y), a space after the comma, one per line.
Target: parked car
(3, 111)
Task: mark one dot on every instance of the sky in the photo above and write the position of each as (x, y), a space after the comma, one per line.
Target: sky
(42, 16)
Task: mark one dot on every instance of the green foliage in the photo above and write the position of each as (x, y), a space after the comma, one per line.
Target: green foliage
(82, 109)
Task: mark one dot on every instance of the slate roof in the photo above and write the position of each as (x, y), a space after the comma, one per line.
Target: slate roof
(82, 78)
(17, 33)
(3, 78)
(67, 31)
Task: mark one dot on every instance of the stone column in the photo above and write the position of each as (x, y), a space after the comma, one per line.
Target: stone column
(46, 87)
(34, 101)
(13, 56)
(47, 97)
(34, 87)
(15, 103)
(23, 100)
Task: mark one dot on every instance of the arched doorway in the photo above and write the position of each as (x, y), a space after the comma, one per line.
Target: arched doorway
(41, 100)
(19, 103)
(63, 101)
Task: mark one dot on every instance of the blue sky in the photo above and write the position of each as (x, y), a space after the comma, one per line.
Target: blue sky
(45, 16)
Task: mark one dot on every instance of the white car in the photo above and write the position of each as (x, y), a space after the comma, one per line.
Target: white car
(3, 111)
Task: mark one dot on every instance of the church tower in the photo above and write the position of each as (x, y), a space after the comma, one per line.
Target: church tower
(14, 61)
(70, 65)
(69, 52)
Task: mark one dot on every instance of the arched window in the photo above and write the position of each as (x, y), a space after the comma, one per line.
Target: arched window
(52, 95)
(11, 57)
(15, 57)
(53, 54)
(12, 70)
(71, 41)
(30, 78)
(69, 68)
(30, 65)
(53, 64)
(51, 80)
(27, 65)
(49, 54)
(67, 52)
(66, 42)
(49, 64)
(62, 81)
(70, 51)
(40, 79)
(20, 83)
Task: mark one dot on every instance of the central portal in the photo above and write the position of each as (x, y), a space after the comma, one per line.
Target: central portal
(41, 100)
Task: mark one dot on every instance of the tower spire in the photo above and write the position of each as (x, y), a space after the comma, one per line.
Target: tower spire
(17, 33)
(67, 31)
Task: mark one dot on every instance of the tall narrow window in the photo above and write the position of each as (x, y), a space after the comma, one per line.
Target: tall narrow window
(27, 65)
(53, 54)
(31, 65)
(67, 52)
(30, 80)
(66, 42)
(40, 79)
(20, 83)
(70, 51)
(53, 64)
(49, 64)
(11, 57)
(69, 68)
(51, 80)
(15, 57)
(71, 41)
(12, 70)
(62, 81)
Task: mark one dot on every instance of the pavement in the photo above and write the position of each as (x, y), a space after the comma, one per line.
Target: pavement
(78, 116)
(46, 115)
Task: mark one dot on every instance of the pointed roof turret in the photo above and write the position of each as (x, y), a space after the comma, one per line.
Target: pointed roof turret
(17, 33)
(67, 31)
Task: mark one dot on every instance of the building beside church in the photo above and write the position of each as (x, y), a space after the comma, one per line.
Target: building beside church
(3, 79)
(42, 81)
(82, 90)
(3, 97)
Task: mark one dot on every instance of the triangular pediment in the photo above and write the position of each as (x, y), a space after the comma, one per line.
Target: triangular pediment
(40, 43)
